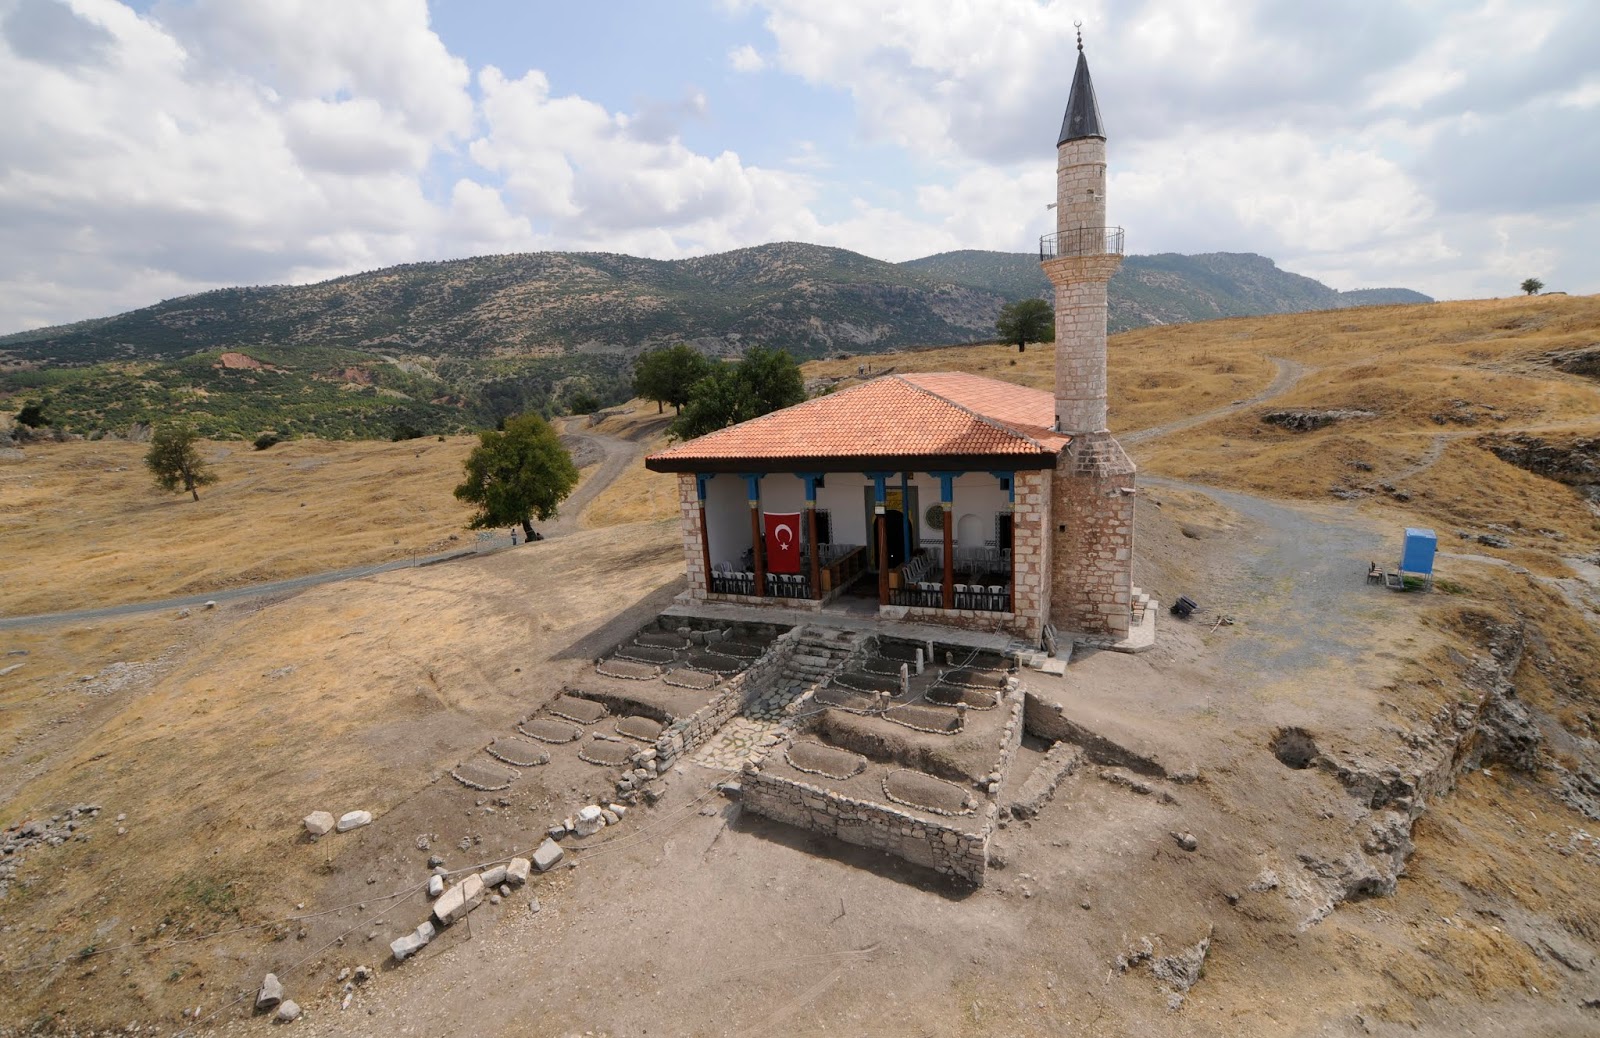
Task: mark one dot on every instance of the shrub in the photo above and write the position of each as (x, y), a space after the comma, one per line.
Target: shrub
(267, 439)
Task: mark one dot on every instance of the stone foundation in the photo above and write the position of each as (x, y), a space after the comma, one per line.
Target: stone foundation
(1092, 580)
(936, 845)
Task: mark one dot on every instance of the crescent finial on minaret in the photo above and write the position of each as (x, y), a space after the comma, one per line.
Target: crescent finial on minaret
(1079, 26)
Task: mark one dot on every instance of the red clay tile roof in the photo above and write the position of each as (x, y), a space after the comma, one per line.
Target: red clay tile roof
(940, 419)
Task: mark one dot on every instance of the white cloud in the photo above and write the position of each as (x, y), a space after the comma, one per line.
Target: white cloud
(746, 58)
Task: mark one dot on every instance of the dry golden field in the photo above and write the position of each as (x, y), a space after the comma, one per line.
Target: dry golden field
(214, 733)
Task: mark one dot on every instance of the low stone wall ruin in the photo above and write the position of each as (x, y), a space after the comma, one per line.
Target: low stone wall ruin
(687, 734)
(934, 845)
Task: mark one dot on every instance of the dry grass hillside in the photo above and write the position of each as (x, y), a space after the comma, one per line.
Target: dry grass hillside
(1432, 378)
(213, 734)
(83, 525)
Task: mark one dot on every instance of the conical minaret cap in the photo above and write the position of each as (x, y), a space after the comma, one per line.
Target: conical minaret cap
(1083, 112)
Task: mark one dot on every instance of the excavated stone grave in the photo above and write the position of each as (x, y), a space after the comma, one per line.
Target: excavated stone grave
(827, 761)
(916, 789)
(645, 654)
(548, 729)
(860, 681)
(938, 720)
(583, 711)
(642, 728)
(606, 753)
(949, 695)
(483, 774)
(737, 649)
(687, 677)
(519, 752)
(843, 699)
(661, 640)
(630, 670)
(715, 664)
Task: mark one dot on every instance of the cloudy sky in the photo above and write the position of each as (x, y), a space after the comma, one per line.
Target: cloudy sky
(154, 148)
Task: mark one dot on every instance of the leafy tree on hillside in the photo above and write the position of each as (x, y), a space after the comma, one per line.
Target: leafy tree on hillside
(1532, 286)
(583, 402)
(1025, 321)
(668, 375)
(175, 460)
(32, 414)
(517, 475)
(763, 382)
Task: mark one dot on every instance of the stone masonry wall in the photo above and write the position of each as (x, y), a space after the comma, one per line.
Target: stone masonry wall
(1092, 580)
(1081, 184)
(687, 734)
(936, 845)
(1080, 385)
(693, 554)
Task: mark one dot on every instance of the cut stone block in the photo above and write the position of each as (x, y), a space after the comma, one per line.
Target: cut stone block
(354, 820)
(494, 877)
(460, 899)
(407, 946)
(547, 856)
(517, 870)
(319, 823)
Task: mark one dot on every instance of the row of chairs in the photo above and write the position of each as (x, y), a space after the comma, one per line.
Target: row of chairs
(726, 580)
(991, 597)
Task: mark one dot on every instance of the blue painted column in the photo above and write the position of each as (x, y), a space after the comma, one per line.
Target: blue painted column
(880, 496)
(813, 481)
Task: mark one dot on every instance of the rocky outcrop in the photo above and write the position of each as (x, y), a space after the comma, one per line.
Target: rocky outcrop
(1575, 462)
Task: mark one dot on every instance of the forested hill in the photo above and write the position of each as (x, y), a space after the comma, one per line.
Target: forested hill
(807, 299)
(435, 347)
(1167, 288)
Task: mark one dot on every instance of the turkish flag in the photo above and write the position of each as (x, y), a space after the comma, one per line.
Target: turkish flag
(783, 542)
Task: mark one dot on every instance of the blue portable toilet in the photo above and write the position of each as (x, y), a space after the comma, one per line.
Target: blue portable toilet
(1417, 555)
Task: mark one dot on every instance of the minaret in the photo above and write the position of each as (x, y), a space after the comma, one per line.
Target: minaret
(1091, 565)
(1080, 258)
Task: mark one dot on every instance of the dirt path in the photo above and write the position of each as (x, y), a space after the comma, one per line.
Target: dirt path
(1289, 373)
(619, 454)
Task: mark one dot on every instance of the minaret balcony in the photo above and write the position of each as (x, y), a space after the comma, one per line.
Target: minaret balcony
(1081, 241)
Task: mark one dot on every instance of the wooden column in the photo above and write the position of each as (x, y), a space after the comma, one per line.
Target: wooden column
(756, 547)
(882, 522)
(947, 496)
(811, 539)
(949, 558)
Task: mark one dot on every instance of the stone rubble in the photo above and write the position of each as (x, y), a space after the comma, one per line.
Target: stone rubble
(319, 823)
(270, 994)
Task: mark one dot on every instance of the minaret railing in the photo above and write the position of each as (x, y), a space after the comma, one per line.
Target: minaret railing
(1081, 241)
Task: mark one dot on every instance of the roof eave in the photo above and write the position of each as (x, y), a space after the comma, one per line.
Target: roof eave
(1030, 461)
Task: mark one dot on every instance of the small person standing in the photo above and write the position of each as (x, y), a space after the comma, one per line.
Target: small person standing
(513, 536)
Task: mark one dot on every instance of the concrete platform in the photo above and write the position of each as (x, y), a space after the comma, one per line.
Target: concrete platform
(845, 621)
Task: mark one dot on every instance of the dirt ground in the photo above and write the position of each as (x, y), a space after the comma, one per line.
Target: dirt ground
(216, 733)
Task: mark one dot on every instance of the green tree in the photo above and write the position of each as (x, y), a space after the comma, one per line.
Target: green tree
(667, 375)
(32, 414)
(583, 402)
(763, 382)
(175, 460)
(517, 475)
(1532, 286)
(1025, 321)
